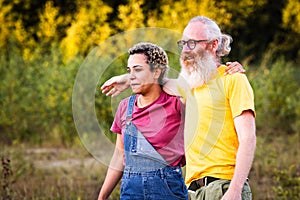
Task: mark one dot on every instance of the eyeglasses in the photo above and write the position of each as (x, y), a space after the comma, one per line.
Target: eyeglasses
(190, 43)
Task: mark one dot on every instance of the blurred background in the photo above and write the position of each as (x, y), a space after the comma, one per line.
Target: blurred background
(43, 43)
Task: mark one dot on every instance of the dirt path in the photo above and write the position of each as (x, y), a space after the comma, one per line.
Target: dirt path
(50, 158)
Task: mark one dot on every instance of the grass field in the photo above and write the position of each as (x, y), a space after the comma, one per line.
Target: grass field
(72, 173)
(52, 173)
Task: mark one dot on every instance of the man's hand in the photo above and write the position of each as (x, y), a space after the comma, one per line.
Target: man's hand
(115, 85)
(233, 67)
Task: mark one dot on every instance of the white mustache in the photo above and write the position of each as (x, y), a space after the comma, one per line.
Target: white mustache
(187, 56)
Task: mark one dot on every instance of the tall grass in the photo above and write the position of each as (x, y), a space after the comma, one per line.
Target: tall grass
(52, 173)
(71, 173)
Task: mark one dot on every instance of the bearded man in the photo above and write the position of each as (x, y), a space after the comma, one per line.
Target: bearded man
(220, 136)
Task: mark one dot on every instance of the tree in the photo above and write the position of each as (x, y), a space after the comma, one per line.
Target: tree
(88, 28)
(291, 21)
(6, 23)
(291, 16)
(49, 21)
(175, 15)
(130, 16)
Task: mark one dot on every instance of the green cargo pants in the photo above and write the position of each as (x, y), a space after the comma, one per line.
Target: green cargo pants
(216, 189)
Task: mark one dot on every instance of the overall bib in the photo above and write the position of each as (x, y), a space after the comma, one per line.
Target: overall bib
(146, 175)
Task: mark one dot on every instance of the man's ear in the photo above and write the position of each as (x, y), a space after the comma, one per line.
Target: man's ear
(213, 45)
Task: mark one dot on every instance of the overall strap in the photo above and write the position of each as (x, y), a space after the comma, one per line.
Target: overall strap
(139, 153)
(130, 106)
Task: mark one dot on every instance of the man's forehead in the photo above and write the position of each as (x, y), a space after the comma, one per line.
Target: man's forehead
(194, 30)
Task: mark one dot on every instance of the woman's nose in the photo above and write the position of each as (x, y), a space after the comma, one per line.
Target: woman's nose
(131, 75)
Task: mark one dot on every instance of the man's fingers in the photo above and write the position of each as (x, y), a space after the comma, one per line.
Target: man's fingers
(228, 63)
(109, 83)
(106, 84)
(106, 88)
(111, 92)
(242, 70)
(116, 93)
(233, 67)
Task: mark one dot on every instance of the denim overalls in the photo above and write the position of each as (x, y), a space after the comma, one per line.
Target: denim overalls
(147, 176)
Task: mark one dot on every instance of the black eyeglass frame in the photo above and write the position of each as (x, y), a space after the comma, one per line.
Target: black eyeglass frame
(190, 43)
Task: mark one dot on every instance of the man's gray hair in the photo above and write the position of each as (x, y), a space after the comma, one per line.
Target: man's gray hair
(213, 31)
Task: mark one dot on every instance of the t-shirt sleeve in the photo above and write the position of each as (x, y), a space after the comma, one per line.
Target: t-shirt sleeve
(117, 123)
(240, 94)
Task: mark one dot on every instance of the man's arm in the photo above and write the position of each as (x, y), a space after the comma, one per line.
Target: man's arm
(245, 127)
(117, 84)
(178, 87)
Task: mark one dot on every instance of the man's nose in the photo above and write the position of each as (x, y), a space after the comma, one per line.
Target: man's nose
(185, 49)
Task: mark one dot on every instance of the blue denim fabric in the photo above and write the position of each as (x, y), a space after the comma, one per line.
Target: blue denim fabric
(146, 174)
(162, 184)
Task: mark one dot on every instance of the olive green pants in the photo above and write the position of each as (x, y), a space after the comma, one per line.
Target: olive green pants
(216, 189)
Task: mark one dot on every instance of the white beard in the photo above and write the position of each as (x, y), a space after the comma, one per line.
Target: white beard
(200, 70)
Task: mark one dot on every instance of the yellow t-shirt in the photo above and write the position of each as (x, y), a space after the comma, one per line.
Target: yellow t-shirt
(211, 141)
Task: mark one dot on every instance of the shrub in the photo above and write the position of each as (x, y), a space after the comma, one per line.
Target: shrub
(288, 183)
(276, 96)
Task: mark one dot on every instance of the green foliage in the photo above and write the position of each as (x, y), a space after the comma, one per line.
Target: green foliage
(276, 96)
(275, 170)
(288, 183)
(36, 96)
(106, 106)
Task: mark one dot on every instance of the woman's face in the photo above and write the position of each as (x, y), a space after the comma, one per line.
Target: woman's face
(141, 77)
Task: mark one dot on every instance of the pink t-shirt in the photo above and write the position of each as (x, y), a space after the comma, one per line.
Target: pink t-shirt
(162, 124)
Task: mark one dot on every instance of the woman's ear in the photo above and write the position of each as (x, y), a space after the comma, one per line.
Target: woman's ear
(157, 73)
